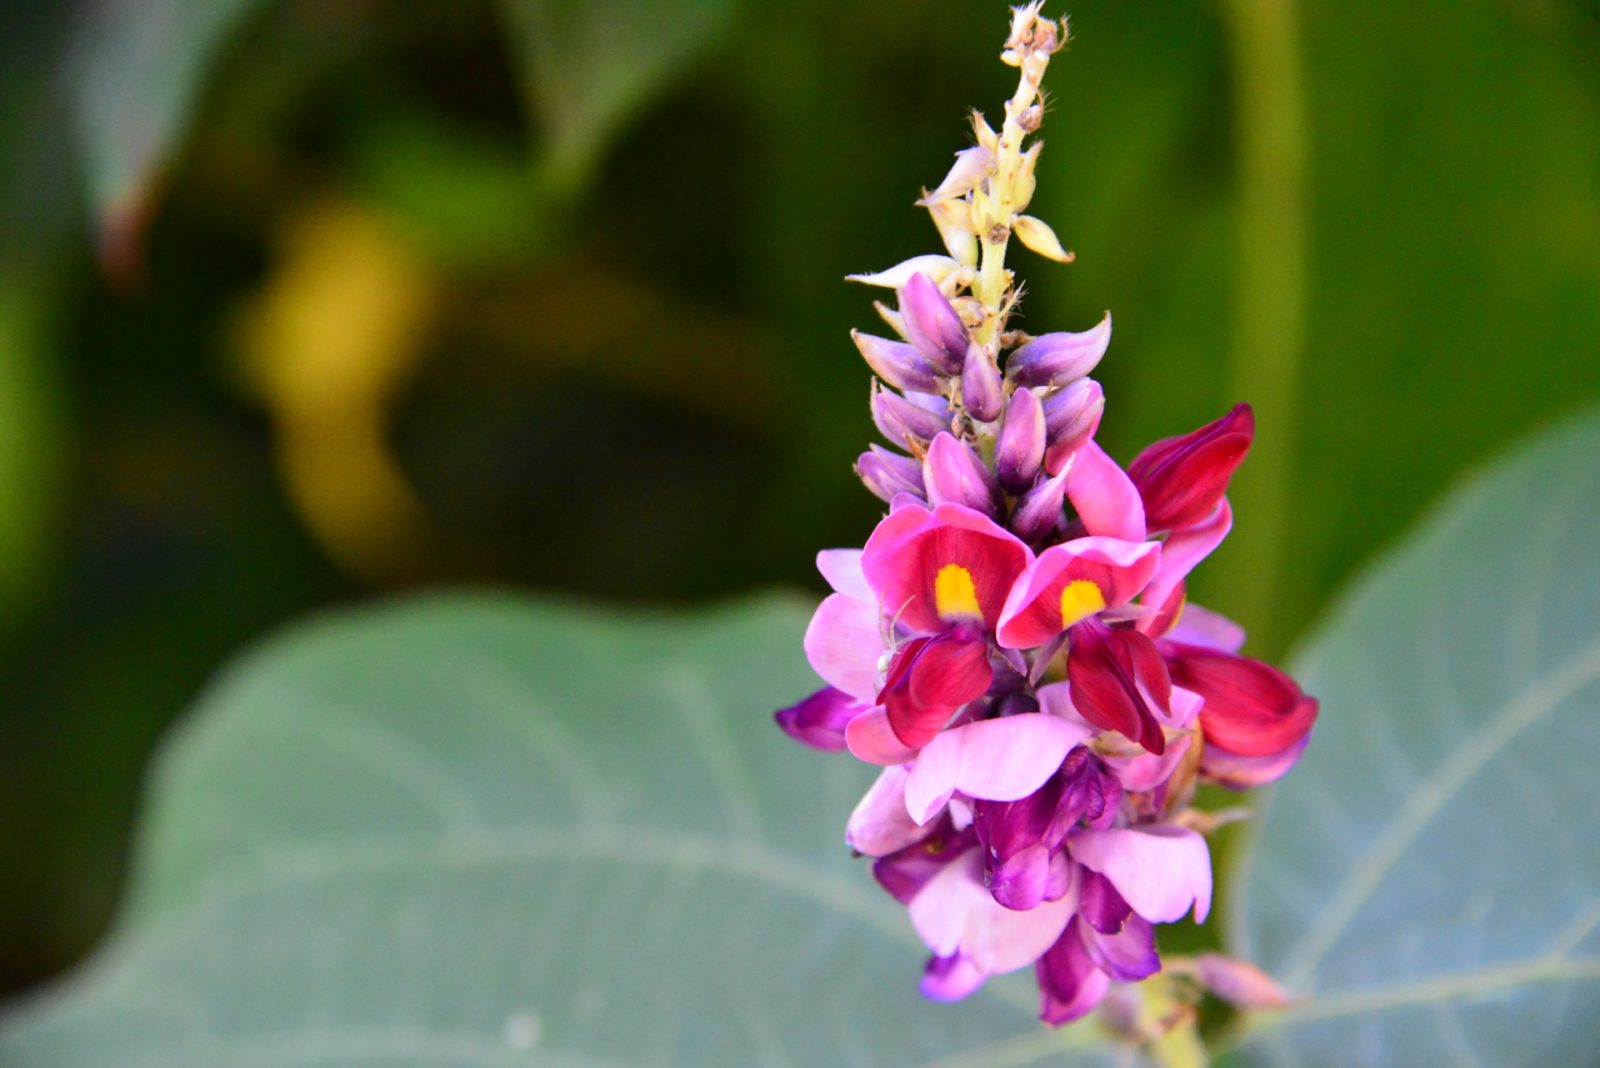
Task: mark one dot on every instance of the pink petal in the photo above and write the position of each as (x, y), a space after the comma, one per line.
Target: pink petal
(1243, 772)
(844, 642)
(1208, 629)
(1184, 549)
(991, 760)
(879, 825)
(1070, 984)
(1119, 570)
(870, 738)
(1103, 495)
(842, 569)
(909, 548)
(1239, 982)
(1160, 870)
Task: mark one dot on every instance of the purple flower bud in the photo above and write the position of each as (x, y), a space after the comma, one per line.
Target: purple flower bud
(1039, 511)
(1071, 416)
(981, 389)
(932, 325)
(953, 473)
(1073, 411)
(897, 363)
(898, 418)
(1020, 449)
(888, 473)
(1059, 358)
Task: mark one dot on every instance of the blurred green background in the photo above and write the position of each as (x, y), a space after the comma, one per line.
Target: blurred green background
(305, 301)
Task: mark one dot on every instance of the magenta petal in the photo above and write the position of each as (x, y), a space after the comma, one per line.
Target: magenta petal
(930, 678)
(1251, 708)
(992, 760)
(844, 643)
(1184, 549)
(1070, 985)
(905, 554)
(820, 720)
(879, 825)
(950, 978)
(1119, 570)
(1127, 956)
(1160, 869)
(1103, 495)
(871, 739)
(1181, 479)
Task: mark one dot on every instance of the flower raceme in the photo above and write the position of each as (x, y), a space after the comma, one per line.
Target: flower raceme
(1012, 644)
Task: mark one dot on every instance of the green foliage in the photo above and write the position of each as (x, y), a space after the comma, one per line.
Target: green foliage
(484, 832)
(1426, 879)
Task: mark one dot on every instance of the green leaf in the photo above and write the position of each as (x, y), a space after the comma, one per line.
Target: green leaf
(589, 67)
(138, 68)
(1428, 879)
(482, 832)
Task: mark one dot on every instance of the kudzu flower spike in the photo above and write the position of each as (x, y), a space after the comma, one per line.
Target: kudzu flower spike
(1012, 645)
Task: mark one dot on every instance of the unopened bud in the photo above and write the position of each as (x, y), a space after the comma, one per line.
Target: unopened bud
(983, 133)
(888, 474)
(1038, 236)
(897, 363)
(899, 419)
(1023, 185)
(1019, 451)
(1071, 416)
(1239, 982)
(937, 268)
(971, 167)
(1059, 358)
(981, 390)
(1039, 511)
(932, 325)
(953, 473)
(954, 222)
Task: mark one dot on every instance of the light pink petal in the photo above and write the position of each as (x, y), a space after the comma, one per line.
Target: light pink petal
(842, 569)
(991, 760)
(844, 643)
(1203, 627)
(1184, 549)
(1160, 870)
(1103, 496)
(879, 825)
(1239, 982)
(1148, 771)
(870, 738)
(956, 913)
(1245, 772)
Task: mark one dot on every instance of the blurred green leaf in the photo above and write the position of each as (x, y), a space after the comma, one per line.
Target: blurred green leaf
(484, 832)
(589, 67)
(1427, 881)
(31, 438)
(138, 68)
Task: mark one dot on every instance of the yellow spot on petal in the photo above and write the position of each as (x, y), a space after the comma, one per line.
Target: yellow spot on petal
(1080, 599)
(955, 596)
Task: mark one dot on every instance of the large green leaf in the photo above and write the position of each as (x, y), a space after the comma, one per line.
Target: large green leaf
(479, 832)
(1428, 880)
